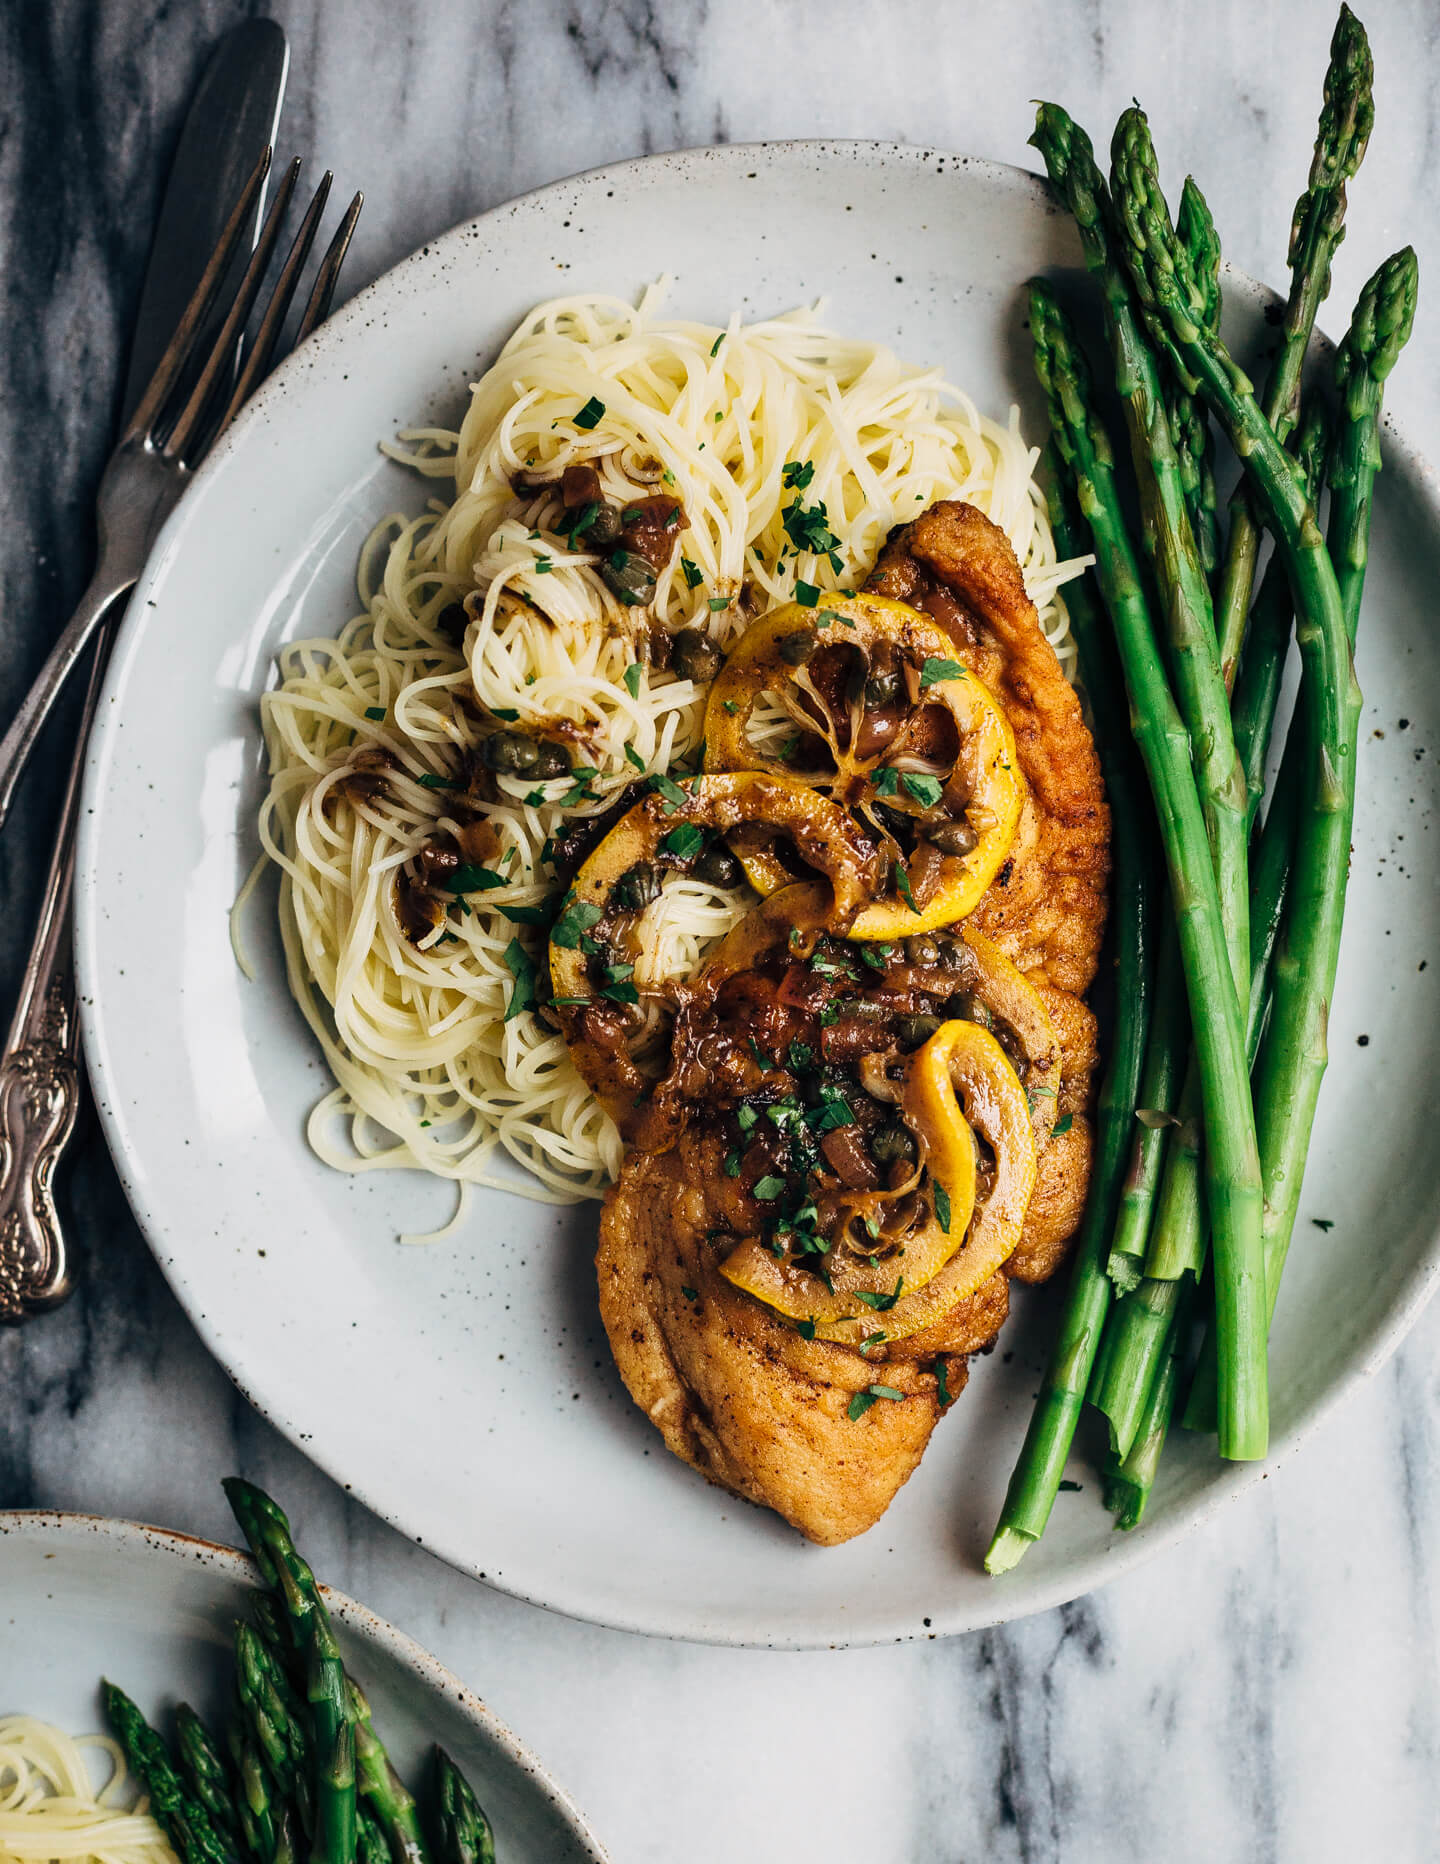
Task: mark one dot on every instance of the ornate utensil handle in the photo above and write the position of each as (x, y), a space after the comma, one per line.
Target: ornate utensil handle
(40, 1075)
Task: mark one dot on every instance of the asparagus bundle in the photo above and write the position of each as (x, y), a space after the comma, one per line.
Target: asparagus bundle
(299, 1767)
(1173, 373)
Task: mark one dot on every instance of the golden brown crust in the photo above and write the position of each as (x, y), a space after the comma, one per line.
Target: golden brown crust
(733, 1389)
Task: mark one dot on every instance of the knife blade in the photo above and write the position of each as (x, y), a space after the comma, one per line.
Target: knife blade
(231, 120)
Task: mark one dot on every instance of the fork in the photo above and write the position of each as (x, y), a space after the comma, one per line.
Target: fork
(182, 413)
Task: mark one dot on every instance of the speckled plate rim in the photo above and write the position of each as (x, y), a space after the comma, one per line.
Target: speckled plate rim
(73, 1528)
(1123, 1552)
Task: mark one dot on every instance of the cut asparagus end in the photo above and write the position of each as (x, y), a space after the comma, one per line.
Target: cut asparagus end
(1007, 1550)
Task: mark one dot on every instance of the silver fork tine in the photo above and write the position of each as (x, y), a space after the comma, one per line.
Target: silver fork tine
(263, 346)
(177, 351)
(223, 347)
(328, 276)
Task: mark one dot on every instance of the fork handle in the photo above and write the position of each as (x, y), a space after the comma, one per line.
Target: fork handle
(40, 1074)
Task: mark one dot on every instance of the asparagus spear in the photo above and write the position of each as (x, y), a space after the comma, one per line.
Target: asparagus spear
(277, 1729)
(254, 1802)
(204, 1770)
(1378, 332)
(186, 1823)
(1346, 118)
(384, 1791)
(1159, 1090)
(1189, 424)
(268, 1533)
(463, 1831)
(1128, 1482)
(1169, 540)
(370, 1845)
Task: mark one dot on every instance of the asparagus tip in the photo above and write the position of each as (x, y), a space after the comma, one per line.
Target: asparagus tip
(1007, 1550)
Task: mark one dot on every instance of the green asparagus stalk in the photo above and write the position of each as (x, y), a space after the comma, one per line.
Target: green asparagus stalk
(1041, 1466)
(463, 1831)
(1379, 330)
(370, 1844)
(1159, 1091)
(1128, 1482)
(385, 1793)
(332, 1727)
(276, 1722)
(1169, 540)
(255, 1802)
(1178, 1240)
(182, 1816)
(1346, 118)
(205, 1772)
(1189, 424)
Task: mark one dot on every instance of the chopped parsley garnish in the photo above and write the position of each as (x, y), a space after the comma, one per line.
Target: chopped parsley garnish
(534, 798)
(684, 842)
(942, 1207)
(576, 919)
(507, 712)
(617, 986)
(732, 706)
(732, 1164)
(669, 789)
(521, 967)
(694, 575)
(862, 1401)
(524, 915)
(829, 615)
(591, 415)
(871, 1339)
(429, 781)
(801, 1055)
(927, 791)
(810, 530)
(543, 566)
(633, 757)
(806, 1329)
(581, 522)
(886, 782)
(747, 1117)
(876, 956)
(374, 711)
(806, 594)
(632, 680)
(902, 884)
(795, 475)
(768, 1188)
(1069, 1487)
(468, 878)
(1062, 1126)
(834, 1110)
(691, 1294)
(1324, 1223)
(942, 1388)
(717, 603)
(882, 1303)
(715, 346)
(934, 670)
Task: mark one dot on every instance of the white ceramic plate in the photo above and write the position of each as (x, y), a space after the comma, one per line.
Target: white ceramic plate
(82, 1598)
(466, 1391)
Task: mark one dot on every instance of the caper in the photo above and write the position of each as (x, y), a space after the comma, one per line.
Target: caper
(881, 688)
(967, 1008)
(920, 948)
(954, 837)
(892, 1142)
(630, 576)
(509, 751)
(954, 954)
(452, 621)
(797, 646)
(913, 1030)
(694, 656)
(551, 760)
(637, 887)
(718, 867)
(603, 529)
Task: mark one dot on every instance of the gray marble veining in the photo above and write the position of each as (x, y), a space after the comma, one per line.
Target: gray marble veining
(1268, 1689)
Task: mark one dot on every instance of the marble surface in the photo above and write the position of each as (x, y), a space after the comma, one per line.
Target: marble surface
(1267, 1690)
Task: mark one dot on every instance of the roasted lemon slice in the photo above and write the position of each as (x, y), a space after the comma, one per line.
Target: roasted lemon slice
(958, 1085)
(863, 699)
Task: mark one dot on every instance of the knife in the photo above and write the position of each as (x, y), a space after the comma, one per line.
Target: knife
(231, 121)
(232, 118)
